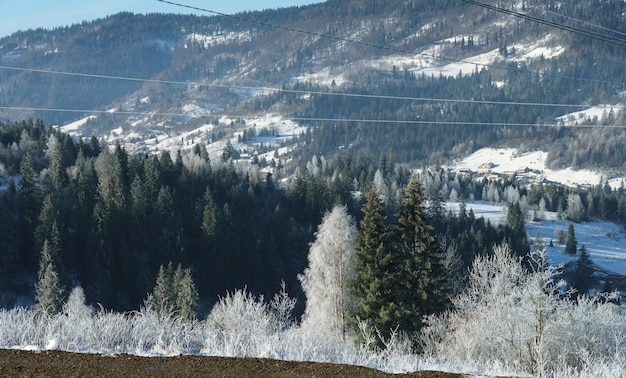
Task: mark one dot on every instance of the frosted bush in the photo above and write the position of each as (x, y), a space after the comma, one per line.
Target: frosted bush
(19, 329)
(238, 326)
(516, 320)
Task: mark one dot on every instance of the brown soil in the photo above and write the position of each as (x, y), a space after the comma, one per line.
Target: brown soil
(14, 363)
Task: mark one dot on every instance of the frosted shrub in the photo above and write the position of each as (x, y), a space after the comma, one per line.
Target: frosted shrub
(239, 325)
(20, 329)
(515, 321)
(282, 307)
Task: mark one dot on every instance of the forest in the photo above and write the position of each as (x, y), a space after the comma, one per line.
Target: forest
(112, 220)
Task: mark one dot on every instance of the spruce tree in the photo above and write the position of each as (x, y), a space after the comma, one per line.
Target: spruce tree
(175, 293)
(420, 290)
(162, 295)
(49, 290)
(516, 230)
(584, 278)
(376, 273)
(570, 245)
(186, 295)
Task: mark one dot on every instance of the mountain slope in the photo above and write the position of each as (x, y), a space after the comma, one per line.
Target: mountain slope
(449, 77)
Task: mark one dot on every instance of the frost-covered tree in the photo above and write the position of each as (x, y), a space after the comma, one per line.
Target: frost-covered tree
(515, 317)
(503, 315)
(49, 290)
(186, 299)
(162, 297)
(331, 268)
(379, 183)
(175, 293)
(575, 209)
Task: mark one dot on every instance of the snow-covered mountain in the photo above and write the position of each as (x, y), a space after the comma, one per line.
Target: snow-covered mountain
(465, 77)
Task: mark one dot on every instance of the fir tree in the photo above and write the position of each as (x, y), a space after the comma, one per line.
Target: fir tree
(175, 293)
(162, 296)
(375, 272)
(420, 290)
(516, 230)
(570, 245)
(186, 299)
(584, 277)
(50, 292)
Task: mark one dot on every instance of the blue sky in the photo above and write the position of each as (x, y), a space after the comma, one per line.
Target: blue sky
(29, 14)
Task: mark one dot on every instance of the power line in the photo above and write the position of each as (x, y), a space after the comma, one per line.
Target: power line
(271, 89)
(87, 111)
(294, 91)
(389, 48)
(318, 119)
(580, 31)
(585, 22)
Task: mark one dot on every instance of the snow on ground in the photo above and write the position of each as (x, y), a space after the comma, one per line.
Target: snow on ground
(540, 48)
(208, 41)
(426, 61)
(592, 114)
(75, 126)
(496, 214)
(509, 160)
(605, 241)
(466, 67)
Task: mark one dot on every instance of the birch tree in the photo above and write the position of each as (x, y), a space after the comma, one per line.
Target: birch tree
(331, 268)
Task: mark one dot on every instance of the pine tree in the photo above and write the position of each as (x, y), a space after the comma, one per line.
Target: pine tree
(516, 230)
(175, 293)
(584, 277)
(420, 290)
(163, 297)
(375, 272)
(186, 299)
(331, 268)
(50, 292)
(570, 245)
(30, 204)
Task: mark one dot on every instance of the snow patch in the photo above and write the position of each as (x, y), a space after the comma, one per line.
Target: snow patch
(76, 125)
(605, 241)
(509, 160)
(590, 115)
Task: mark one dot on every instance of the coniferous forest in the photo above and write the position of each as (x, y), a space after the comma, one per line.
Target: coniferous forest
(108, 221)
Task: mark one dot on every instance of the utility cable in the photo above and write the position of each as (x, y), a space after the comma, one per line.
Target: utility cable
(389, 48)
(293, 91)
(584, 32)
(318, 119)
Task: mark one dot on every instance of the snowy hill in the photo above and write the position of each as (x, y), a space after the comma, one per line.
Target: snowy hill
(448, 76)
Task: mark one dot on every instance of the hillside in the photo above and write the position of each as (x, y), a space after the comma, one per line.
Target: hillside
(428, 81)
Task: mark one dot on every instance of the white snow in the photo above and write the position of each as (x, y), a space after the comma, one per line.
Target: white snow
(76, 125)
(218, 38)
(508, 160)
(605, 241)
(428, 61)
(590, 115)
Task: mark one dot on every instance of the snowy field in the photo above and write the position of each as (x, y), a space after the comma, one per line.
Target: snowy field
(510, 160)
(605, 241)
